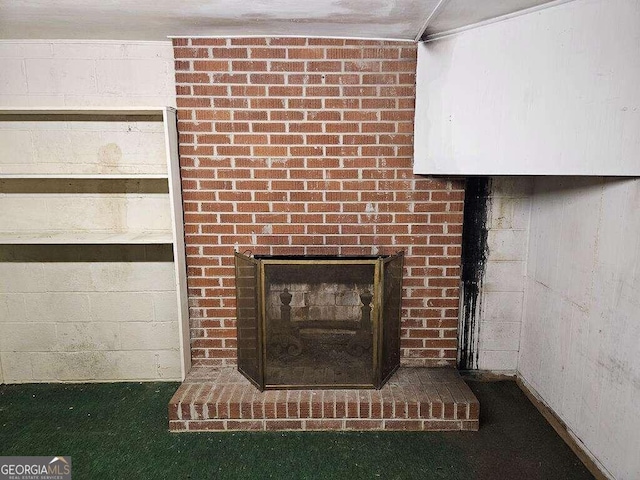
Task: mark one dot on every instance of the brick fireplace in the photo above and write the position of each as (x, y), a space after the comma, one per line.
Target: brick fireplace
(303, 146)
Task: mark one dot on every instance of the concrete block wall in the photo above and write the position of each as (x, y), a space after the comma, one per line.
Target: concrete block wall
(580, 342)
(81, 147)
(42, 73)
(62, 319)
(72, 321)
(501, 302)
(82, 212)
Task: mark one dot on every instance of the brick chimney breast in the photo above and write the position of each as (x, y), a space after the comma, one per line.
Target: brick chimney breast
(304, 146)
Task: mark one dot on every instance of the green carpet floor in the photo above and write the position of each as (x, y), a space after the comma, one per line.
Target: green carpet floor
(119, 431)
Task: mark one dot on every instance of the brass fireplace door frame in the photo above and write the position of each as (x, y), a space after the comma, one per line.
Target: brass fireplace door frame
(251, 315)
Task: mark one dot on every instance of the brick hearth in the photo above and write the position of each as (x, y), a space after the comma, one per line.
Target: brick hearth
(220, 399)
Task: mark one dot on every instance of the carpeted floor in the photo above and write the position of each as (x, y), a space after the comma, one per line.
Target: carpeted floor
(119, 431)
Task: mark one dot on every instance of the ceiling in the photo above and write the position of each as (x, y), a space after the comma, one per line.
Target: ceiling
(157, 19)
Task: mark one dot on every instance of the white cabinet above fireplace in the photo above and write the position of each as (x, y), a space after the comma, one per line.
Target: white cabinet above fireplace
(555, 92)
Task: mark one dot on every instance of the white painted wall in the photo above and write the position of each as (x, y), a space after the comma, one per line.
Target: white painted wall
(580, 343)
(40, 73)
(75, 321)
(551, 92)
(79, 213)
(501, 297)
(56, 146)
(70, 321)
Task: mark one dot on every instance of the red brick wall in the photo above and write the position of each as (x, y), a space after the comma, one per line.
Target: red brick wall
(304, 146)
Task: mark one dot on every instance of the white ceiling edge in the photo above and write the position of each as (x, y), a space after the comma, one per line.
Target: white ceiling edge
(157, 19)
(455, 31)
(329, 37)
(83, 40)
(386, 20)
(171, 37)
(434, 13)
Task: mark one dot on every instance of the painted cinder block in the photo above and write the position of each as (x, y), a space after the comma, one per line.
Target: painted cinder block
(57, 307)
(502, 306)
(13, 80)
(47, 366)
(136, 277)
(504, 277)
(19, 49)
(499, 336)
(87, 50)
(85, 147)
(103, 366)
(84, 305)
(16, 147)
(132, 76)
(503, 282)
(137, 212)
(84, 212)
(32, 100)
(91, 365)
(168, 364)
(28, 337)
(149, 50)
(502, 360)
(507, 245)
(16, 367)
(62, 72)
(509, 186)
(121, 306)
(61, 76)
(68, 277)
(100, 149)
(119, 100)
(501, 212)
(141, 364)
(22, 213)
(12, 307)
(107, 366)
(165, 307)
(521, 212)
(79, 302)
(149, 335)
(88, 336)
(22, 277)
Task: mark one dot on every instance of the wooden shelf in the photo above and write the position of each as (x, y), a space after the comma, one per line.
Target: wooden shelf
(85, 238)
(89, 111)
(173, 236)
(83, 176)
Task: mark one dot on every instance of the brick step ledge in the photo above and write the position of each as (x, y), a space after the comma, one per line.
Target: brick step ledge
(414, 399)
